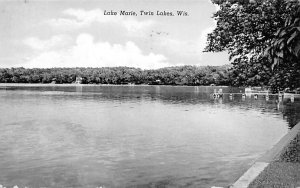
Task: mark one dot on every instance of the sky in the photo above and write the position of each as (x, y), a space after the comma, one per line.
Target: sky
(84, 33)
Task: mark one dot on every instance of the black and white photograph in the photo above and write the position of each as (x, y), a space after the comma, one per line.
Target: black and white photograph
(149, 93)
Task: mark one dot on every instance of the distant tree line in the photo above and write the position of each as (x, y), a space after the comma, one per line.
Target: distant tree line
(179, 75)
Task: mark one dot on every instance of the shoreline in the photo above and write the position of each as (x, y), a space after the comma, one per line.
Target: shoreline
(274, 164)
(241, 91)
(130, 85)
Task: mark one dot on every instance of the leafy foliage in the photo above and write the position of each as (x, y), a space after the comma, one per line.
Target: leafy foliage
(286, 40)
(182, 75)
(246, 29)
(284, 51)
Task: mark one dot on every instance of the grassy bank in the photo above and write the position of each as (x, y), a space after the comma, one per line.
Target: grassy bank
(284, 170)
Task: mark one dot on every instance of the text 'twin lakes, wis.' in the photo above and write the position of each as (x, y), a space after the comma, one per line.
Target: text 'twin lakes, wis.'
(145, 13)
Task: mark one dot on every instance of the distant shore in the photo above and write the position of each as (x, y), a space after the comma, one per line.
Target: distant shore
(181, 75)
(58, 85)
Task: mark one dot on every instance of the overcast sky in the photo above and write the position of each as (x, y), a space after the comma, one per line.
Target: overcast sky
(76, 33)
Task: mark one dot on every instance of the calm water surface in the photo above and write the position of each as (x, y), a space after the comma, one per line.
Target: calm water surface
(134, 136)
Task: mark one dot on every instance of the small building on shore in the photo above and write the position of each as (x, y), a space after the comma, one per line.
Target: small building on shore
(53, 81)
(78, 80)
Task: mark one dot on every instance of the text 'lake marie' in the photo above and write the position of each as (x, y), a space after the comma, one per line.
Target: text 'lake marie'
(145, 13)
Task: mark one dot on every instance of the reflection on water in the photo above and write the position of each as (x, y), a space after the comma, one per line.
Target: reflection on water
(134, 136)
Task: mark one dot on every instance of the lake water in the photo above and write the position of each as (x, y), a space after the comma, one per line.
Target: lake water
(134, 136)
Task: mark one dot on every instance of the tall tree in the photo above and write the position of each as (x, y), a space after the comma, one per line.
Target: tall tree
(246, 29)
